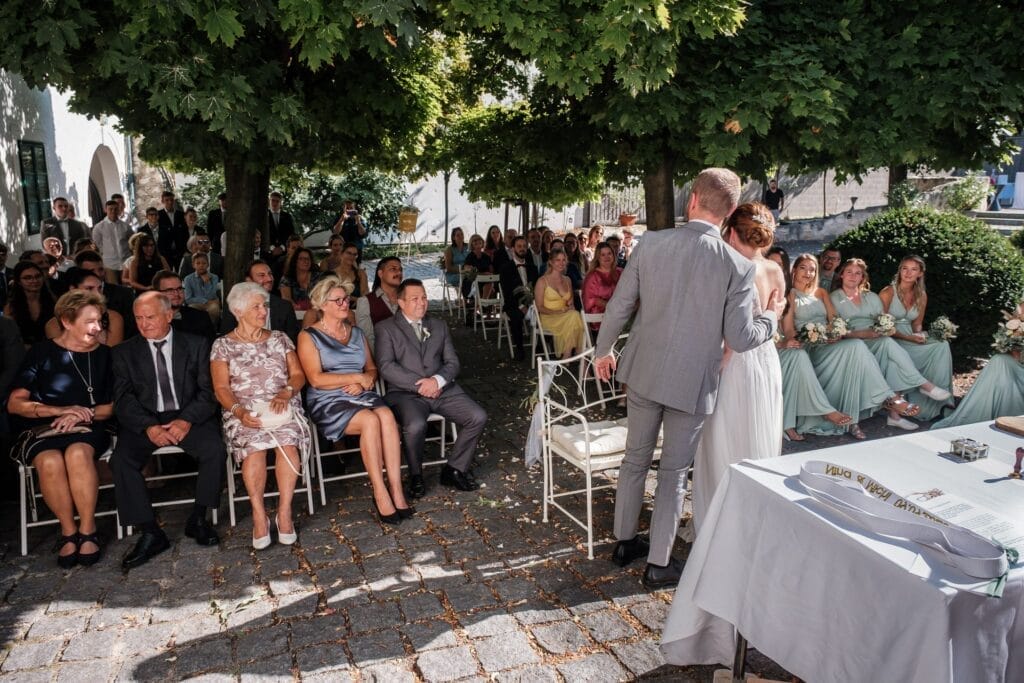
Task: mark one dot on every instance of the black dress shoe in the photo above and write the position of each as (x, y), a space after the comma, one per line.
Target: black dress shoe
(417, 486)
(89, 559)
(149, 546)
(626, 552)
(656, 576)
(405, 513)
(394, 519)
(457, 480)
(202, 531)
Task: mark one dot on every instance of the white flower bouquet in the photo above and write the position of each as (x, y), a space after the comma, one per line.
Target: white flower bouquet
(885, 325)
(469, 273)
(837, 329)
(812, 333)
(523, 295)
(943, 329)
(1010, 335)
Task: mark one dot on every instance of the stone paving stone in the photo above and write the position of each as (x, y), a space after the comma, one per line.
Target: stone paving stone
(581, 600)
(344, 573)
(374, 616)
(93, 645)
(376, 648)
(606, 625)
(420, 606)
(58, 626)
(593, 669)
(322, 659)
(652, 613)
(145, 639)
(531, 674)
(640, 657)
(538, 612)
(447, 665)
(297, 605)
(430, 635)
(623, 590)
(197, 628)
(97, 670)
(320, 629)
(564, 637)
(470, 597)
(37, 676)
(387, 673)
(293, 582)
(488, 623)
(262, 643)
(347, 596)
(29, 656)
(506, 651)
(515, 589)
(209, 654)
(373, 545)
(277, 668)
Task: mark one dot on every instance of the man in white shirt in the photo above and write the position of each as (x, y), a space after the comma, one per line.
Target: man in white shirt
(111, 237)
(382, 302)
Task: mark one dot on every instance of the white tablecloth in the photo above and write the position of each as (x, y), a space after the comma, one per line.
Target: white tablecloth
(831, 603)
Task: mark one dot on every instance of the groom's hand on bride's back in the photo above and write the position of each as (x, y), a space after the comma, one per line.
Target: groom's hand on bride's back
(777, 303)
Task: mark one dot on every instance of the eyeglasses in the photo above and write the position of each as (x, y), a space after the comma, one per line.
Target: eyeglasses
(202, 241)
(172, 289)
(339, 301)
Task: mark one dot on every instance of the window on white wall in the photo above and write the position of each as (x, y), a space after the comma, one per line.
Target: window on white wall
(35, 184)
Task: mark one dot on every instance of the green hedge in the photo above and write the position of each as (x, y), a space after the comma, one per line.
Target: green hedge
(973, 272)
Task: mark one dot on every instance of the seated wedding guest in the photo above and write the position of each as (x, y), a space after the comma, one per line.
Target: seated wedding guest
(201, 243)
(185, 318)
(348, 270)
(258, 382)
(163, 397)
(577, 261)
(594, 237)
(615, 242)
(518, 277)
(341, 400)
(382, 302)
(118, 297)
(997, 391)
(82, 244)
(855, 302)
(478, 259)
(146, 262)
(280, 265)
(282, 315)
(454, 256)
(494, 247)
(30, 302)
(847, 371)
(627, 247)
(907, 301)
(333, 258)
(55, 248)
(830, 260)
(558, 317)
(419, 365)
(599, 285)
(202, 288)
(781, 257)
(63, 395)
(111, 322)
(546, 237)
(299, 278)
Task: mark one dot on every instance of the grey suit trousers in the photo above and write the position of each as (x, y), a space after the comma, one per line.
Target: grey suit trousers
(679, 447)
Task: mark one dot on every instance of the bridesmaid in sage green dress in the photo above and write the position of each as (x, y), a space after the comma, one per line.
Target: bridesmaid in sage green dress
(861, 307)
(998, 391)
(906, 300)
(848, 373)
(805, 407)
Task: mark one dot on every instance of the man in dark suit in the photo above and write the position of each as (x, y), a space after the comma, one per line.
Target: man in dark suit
(119, 297)
(282, 314)
(515, 273)
(163, 396)
(279, 225)
(186, 318)
(215, 221)
(61, 225)
(173, 232)
(417, 360)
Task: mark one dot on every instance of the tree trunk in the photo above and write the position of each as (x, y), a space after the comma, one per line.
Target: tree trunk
(524, 215)
(659, 193)
(897, 174)
(247, 193)
(505, 229)
(447, 177)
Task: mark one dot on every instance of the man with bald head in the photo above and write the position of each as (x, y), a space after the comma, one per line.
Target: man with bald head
(163, 396)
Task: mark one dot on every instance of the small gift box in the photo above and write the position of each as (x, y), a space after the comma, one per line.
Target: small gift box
(968, 449)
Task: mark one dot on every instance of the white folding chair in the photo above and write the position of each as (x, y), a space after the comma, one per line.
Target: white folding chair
(505, 331)
(487, 310)
(588, 343)
(160, 452)
(536, 333)
(236, 495)
(450, 304)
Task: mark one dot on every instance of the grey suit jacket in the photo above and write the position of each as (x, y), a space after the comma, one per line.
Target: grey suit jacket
(402, 359)
(692, 290)
(50, 227)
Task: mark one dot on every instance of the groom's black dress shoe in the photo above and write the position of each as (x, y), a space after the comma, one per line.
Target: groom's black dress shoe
(201, 530)
(656, 576)
(626, 552)
(458, 480)
(149, 546)
(417, 486)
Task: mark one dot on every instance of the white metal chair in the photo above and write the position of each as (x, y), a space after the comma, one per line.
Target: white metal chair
(160, 452)
(236, 495)
(588, 343)
(536, 333)
(504, 331)
(29, 498)
(487, 311)
(450, 303)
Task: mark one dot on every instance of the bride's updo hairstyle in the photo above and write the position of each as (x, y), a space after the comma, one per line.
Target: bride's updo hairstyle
(753, 224)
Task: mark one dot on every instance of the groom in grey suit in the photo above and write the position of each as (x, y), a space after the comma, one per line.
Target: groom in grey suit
(691, 290)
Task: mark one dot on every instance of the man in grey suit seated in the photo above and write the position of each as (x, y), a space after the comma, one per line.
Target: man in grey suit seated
(684, 279)
(417, 360)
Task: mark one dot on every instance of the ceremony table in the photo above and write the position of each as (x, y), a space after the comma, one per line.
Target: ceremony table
(829, 601)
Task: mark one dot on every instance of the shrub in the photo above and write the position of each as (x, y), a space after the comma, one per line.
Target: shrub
(966, 194)
(902, 195)
(973, 272)
(1017, 240)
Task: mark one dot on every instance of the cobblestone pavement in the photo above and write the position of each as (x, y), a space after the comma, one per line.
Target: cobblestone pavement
(474, 587)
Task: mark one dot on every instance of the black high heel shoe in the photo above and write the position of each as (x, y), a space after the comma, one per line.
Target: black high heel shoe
(394, 518)
(405, 513)
(67, 561)
(88, 560)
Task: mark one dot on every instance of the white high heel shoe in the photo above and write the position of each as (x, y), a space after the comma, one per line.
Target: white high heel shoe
(262, 542)
(282, 537)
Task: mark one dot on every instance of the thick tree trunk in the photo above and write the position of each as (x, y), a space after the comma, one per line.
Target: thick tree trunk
(247, 213)
(505, 229)
(897, 174)
(524, 214)
(447, 178)
(659, 194)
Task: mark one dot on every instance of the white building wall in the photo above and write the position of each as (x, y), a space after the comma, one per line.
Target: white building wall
(72, 144)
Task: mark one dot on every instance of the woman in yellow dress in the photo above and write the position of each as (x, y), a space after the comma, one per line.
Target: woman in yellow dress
(558, 316)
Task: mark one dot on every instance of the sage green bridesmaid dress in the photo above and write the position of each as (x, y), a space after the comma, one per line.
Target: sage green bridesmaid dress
(803, 400)
(848, 373)
(896, 365)
(933, 359)
(998, 391)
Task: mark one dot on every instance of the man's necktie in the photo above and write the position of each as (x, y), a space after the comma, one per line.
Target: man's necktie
(164, 377)
(418, 328)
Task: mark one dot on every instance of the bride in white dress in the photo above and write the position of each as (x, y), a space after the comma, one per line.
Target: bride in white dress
(747, 421)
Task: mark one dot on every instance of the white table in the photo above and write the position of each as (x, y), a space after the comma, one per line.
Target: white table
(829, 602)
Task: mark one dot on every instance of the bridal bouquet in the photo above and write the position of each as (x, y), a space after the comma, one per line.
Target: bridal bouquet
(837, 329)
(943, 329)
(812, 333)
(885, 325)
(1010, 335)
(523, 295)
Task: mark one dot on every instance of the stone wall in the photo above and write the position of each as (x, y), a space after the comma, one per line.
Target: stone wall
(150, 181)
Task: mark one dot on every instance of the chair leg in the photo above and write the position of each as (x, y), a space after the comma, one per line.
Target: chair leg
(23, 507)
(309, 488)
(229, 466)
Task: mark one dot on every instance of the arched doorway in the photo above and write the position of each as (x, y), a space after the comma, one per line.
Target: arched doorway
(104, 180)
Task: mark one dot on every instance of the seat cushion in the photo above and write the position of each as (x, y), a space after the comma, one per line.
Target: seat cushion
(606, 438)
